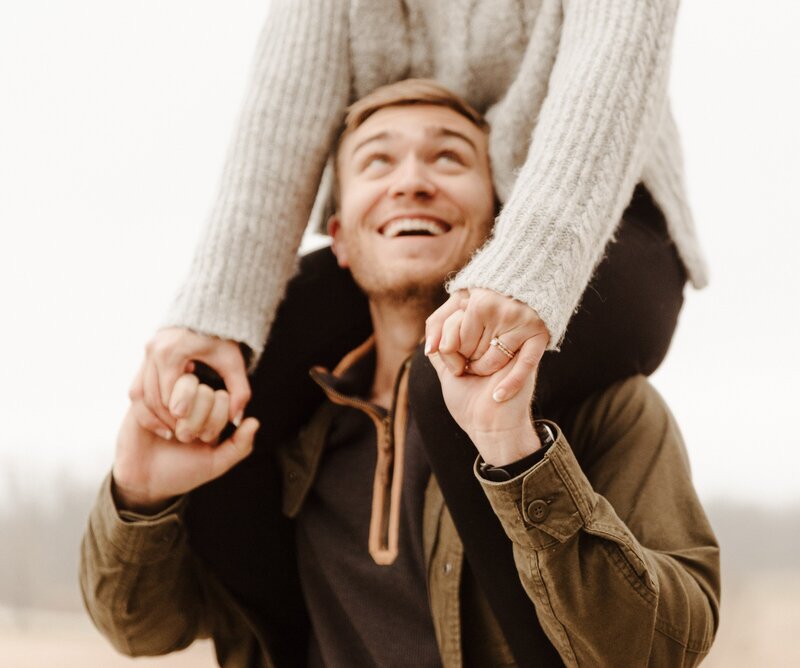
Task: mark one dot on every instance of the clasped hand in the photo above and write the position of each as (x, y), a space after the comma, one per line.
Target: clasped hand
(488, 392)
(149, 470)
(461, 331)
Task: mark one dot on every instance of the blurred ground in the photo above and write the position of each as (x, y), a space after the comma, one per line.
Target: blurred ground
(760, 622)
(42, 623)
(760, 627)
(38, 639)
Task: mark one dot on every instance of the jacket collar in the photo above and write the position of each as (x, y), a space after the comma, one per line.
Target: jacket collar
(347, 385)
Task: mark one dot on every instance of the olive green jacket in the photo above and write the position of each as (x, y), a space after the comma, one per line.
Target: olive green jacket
(609, 538)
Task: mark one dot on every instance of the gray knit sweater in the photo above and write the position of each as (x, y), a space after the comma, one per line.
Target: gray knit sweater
(574, 90)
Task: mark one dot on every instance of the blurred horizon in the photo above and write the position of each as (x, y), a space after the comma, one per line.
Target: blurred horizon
(40, 602)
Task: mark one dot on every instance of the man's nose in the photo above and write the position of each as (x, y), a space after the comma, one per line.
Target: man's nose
(412, 180)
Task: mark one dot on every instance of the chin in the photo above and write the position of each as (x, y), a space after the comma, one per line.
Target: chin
(403, 279)
(427, 290)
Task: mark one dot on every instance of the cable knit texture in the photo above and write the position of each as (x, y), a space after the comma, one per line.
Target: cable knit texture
(576, 95)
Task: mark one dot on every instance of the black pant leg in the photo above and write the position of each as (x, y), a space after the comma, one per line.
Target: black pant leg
(235, 523)
(323, 316)
(627, 314)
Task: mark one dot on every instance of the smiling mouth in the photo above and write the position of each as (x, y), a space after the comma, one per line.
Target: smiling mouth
(407, 227)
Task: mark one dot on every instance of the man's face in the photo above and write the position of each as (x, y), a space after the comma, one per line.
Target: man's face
(416, 199)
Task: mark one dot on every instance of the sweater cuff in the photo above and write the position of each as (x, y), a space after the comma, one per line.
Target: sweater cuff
(137, 539)
(547, 505)
(494, 268)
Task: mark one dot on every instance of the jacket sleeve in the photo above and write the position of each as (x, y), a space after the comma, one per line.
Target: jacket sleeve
(618, 556)
(299, 88)
(605, 100)
(139, 581)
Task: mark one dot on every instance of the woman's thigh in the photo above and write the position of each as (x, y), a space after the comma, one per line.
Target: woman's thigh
(627, 315)
(623, 326)
(322, 317)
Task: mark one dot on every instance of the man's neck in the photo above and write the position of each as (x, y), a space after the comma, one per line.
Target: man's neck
(398, 331)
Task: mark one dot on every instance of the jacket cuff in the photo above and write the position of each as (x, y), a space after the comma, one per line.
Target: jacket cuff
(138, 539)
(547, 504)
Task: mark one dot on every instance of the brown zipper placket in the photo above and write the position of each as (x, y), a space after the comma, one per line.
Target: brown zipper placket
(384, 525)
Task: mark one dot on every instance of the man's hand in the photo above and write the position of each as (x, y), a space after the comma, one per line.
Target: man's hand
(481, 315)
(503, 432)
(170, 354)
(149, 470)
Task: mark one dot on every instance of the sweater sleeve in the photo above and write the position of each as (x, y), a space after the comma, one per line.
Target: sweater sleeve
(299, 88)
(606, 96)
(616, 553)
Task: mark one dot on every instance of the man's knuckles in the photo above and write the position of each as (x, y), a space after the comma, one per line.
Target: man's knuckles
(205, 417)
(217, 419)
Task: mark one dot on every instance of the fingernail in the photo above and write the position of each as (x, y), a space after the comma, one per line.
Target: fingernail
(238, 420)
(166, 434)
(428, 345)
(499, 395)
(178, 409)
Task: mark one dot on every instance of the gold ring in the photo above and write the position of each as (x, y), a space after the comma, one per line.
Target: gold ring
(502, 347)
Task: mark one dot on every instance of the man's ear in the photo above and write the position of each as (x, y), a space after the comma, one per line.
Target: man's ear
(338, 245)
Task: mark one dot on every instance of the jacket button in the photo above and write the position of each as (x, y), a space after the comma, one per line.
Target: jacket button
(447, 568)
(538, 510)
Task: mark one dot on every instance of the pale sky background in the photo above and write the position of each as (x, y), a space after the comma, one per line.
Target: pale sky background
(114, 122)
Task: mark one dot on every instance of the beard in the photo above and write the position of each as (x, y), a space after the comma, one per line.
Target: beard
(422, 294)
(427, 297)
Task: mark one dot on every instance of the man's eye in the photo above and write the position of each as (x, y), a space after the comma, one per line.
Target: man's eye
(449, 156)
(376, 161)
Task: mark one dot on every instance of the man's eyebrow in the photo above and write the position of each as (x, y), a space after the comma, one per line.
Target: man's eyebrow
(376, 137)
(441, 131)
(436, 131)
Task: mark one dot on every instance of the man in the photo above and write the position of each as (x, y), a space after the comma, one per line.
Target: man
(579, 541)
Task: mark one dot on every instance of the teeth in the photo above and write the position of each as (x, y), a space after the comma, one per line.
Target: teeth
(396, 227)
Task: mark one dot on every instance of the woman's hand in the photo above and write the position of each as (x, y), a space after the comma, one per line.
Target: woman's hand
(462, 329)
(502, 432)
(170, 354)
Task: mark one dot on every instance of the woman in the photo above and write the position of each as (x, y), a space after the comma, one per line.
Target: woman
(575, 93)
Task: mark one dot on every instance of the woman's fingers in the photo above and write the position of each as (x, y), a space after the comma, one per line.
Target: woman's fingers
(450, 344)
(500, 350)
(506, 325)
(145, 388)
(471, 334)
(172, 352)
(483, 345)
(226, 359)
(523, 371)
(149, 421)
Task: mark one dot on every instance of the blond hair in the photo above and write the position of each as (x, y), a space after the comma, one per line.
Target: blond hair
(405, 93)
